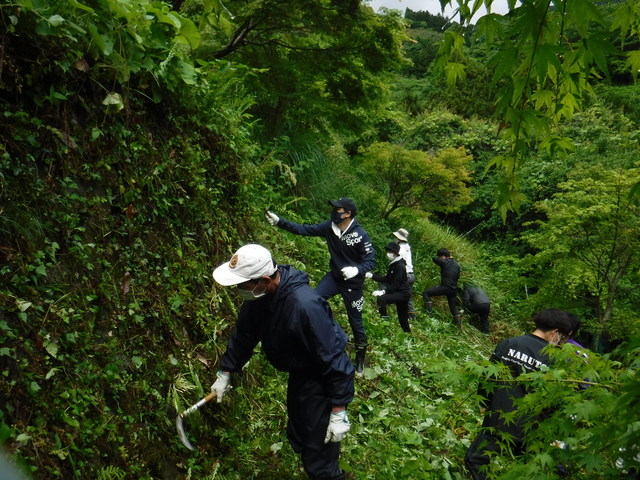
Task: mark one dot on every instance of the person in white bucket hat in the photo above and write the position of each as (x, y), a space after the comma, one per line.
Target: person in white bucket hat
(402, 238)
(300, 336)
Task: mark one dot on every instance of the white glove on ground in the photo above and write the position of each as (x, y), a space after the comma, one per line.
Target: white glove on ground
(272, 218)
(378, 293)
(368, 275)
(221, 385)
(349, 272)
(338, 427)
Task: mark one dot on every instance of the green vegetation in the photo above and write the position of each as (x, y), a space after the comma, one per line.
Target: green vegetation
(142, 141)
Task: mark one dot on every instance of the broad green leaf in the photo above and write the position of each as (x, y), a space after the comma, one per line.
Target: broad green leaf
(454, 72)
(81, 6)
(55, 20)
(490, 27)
(622, 19)
(171, 19)
(583, 12)
(137, 361)
(633, 62)
(51, 348)
(22, 305)
(543, 99)
(189, 33)
(503, 63)
(601, 50)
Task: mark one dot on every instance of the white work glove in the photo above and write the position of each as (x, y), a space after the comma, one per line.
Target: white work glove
(338, 427)
(221, 385)
(378, 293)
(272, 218)
(368, 275)
(349, 272)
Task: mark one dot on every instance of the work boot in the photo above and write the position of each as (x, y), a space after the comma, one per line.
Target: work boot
(485, 328)
(428, 306)
(361, 352)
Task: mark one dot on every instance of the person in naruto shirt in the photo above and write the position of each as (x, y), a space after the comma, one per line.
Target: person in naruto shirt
(521, 355)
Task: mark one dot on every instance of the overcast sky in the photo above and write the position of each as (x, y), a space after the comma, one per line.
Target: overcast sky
(431, 6)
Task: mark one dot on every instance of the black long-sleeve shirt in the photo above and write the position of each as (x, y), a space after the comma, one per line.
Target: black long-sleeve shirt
(449, 272)
(396, 278)
(298, 334)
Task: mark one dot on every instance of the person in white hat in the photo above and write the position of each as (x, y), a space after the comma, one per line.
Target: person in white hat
(300, 336)
(402, 238)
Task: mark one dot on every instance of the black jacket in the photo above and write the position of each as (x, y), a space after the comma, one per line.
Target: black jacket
(396, 278)
(298, 335)
(351, 249)
(449, 272)
(474, 296)
(521, 354)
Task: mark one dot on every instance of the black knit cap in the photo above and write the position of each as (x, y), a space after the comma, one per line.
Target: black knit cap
(346, 203)
(393, 247)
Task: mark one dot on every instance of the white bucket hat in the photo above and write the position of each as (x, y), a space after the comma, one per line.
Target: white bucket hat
(248, 263)
(401, 234)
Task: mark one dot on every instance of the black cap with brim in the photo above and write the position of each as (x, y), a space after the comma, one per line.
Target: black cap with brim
(393, 247)
(346, 203)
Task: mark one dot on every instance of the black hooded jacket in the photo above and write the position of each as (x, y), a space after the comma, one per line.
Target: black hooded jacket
(298, 335)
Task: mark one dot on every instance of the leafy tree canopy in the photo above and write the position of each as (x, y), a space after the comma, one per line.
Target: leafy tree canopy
(413, 178)
(542, 76)
(590, 238)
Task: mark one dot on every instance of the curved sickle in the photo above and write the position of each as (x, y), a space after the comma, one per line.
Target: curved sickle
(188, 411)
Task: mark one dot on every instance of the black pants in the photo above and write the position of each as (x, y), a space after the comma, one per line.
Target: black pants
(479, 451)
(353, 301)
(477, 455)
(439, 291)
(401, 300)
(483, 310)
(309, 411)
(411, 279)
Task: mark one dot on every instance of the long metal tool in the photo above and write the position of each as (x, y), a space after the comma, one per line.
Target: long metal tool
(188, 411)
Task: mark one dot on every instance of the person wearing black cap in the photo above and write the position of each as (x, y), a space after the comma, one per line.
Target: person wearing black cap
(396, 287)
(298, 335)
(351, 256)
(449, 275)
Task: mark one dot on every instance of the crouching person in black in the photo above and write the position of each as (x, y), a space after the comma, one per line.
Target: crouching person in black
(476, 300)
(396, 286)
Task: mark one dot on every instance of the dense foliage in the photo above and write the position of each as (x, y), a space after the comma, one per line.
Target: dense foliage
(141, 143)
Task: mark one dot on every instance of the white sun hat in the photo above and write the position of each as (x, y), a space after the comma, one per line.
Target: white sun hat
(401, 234)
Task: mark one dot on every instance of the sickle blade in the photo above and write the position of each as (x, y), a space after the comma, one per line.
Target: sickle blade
(182, 434)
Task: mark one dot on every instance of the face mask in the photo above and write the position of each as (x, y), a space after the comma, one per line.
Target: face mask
(336, 217)
(391, 256)
(555, 341)
(251, 294)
